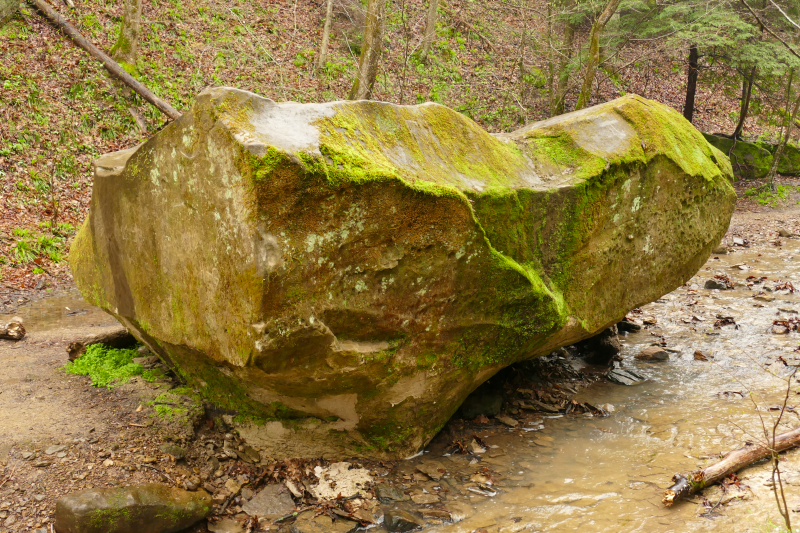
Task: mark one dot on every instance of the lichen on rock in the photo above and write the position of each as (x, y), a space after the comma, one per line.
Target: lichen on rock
(345, 274)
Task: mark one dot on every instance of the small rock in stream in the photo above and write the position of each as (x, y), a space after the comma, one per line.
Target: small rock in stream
(716, 284)
(786, 233)
(507, 420)
(271, 503)
(149, 508)
(433, 469)
(307, 523)
(386, 493)
(653, 353)
(624, 377)
(626, 325)
(398, 521)
(226, 525)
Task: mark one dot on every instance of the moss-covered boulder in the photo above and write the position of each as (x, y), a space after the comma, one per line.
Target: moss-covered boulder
(347, 273)
(789, 164)
(749, 161)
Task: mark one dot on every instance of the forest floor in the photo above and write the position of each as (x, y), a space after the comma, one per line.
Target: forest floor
(60, 111)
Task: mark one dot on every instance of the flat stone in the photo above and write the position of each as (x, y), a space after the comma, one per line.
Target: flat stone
(507, 420)
(226, 525)
(306, 523)
(270, 503)
(435, 513)
(624, 377)
(459, 510)
(175, 451)
(715, 284)
(398, 521)
(55, 449)
(653, 353)
(433, 469)
(147, 508)
(424, 499)
(386, 493)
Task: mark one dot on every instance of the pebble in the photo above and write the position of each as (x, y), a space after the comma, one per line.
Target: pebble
(507, 420)
(226, 525)
(270, 503)
(398, 521)
(653, 353)
(433, 469)
(55, 449)
(424, 499)
(386, 493)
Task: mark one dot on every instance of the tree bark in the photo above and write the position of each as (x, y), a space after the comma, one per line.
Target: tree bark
(789, 121)
(691, 482)
(430, 29)
(326, 33)
(691, 83)
(110, 65)
(371, 52)
(594, 52)
(747, 90)
(126, 48)
(557, 107)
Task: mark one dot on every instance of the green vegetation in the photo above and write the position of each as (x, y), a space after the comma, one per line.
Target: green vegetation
(765, 195)
(106, 366)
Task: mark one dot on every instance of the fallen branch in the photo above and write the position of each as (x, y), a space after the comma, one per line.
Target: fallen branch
(111, 66)
(687, 484)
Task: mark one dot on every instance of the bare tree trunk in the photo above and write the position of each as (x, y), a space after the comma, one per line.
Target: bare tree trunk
(787, 125)
(594, 52)
(326, 33)
(430, 29)
(747, 90)
(563, 69)
(125, 49)
(550, 53)
(371, 51)
(691, 83)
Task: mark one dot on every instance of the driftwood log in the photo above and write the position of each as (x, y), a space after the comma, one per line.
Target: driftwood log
(692, 482)
(13, 331)
(111, 66)
(118, 337)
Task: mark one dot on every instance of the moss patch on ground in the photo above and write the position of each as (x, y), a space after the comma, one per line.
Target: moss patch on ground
(106, 366)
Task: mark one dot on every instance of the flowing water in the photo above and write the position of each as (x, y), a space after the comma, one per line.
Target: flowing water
(608, 474)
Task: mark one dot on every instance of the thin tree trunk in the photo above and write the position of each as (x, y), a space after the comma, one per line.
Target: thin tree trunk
(110, 65)
(126, 48)
(430, 29)
(594, 52)
(563, 69)
(691, 83)
(550, 67)
(371, 51)
(788, 123)
(326, 33)
(747, 90)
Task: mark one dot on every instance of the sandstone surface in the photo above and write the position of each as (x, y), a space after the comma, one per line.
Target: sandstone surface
(346, 273)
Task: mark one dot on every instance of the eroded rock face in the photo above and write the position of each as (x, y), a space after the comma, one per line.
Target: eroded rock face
(147, 508)
(350, 271)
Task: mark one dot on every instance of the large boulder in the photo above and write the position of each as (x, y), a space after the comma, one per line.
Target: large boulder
(346, 273)
(749, 161)
(789, 163)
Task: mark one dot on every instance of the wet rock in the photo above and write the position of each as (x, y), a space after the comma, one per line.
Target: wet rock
(386, 493)
(433, 469)
(608, 408)
(653, 353)
(174, 450)
(140, 509)
(624, 377)
(424, 498)
(507, 420)
(270, 503)
(716, 284)
(435, 513)
(786, 233)
(535, 405)
(738, 241)
(627, 325)
(438, 195)
(475, 447)
(226, 525)
(481, 402)
(399, 521)
(602, 348)
(778, 329)
(307, 523)
(720, 250)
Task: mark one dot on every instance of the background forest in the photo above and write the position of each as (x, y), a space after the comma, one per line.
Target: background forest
(730, 66)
